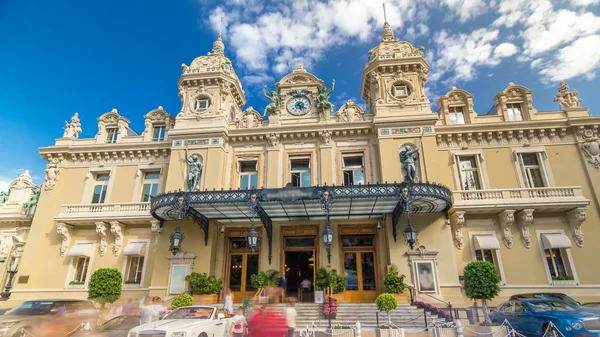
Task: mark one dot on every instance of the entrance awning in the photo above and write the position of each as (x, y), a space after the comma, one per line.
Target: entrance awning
(82, 249)
(302, 203)
(489, 242)
(550, 241)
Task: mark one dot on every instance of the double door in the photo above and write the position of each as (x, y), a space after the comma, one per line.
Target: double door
(242, 265)
(360, 275)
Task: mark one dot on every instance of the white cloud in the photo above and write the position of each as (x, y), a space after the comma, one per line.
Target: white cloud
(585, 3)
(467, 9)
(4, 182)
(505, 50)
(582, 57)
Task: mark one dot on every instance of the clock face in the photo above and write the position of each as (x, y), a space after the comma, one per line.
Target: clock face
(299, 105)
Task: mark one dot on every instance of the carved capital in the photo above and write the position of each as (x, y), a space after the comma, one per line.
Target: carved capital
(507, 218)
(458, 221)
(273, 139)
(64, 231)
(576, 218)
(116, 228)
(525, 219)
(325, 137)
(156, 229)
(102, 229)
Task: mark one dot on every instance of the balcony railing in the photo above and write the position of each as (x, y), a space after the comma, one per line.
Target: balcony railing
(561, 197)
(98, 212)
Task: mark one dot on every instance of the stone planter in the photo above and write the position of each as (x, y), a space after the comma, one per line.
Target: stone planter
(389, 332)
(343, 332)
(330, 316)
(401, 298)
(492, 331)
(206, 299)
(564, 283)
(338, 297)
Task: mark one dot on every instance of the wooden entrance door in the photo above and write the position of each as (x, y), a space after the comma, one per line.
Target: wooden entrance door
(241, 265)
(360, 268)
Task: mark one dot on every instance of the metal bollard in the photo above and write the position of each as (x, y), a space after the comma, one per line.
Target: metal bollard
(459, 328)
(358, 329)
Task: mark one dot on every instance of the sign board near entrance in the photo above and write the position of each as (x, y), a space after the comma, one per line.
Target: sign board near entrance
(319, 296)
(289, 194)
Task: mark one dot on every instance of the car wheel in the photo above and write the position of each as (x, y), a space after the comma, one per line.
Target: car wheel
(202, 335)
(551, 331)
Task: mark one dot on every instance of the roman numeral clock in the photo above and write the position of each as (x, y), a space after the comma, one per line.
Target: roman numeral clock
(299, 104)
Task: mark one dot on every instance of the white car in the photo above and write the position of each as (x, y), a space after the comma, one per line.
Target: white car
(192, 321)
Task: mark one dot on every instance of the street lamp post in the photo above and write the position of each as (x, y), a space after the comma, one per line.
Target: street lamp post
(176, 237)
(11, 269)
(253, 236)
(326, 203)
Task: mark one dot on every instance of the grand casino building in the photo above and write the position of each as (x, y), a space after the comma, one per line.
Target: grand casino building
(323, 187)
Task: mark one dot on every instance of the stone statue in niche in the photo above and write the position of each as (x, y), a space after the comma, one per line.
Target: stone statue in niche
(274, 102)
(323, 104)
(194, 170)
(73, 129)
(409, 158)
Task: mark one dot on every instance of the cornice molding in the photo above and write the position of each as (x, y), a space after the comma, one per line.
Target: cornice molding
(502, 138)
(92, 157)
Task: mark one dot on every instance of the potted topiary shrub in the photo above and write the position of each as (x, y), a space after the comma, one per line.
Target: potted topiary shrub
(394, 283)
(481, 282)
(182, 300)
(386, 303)
(105, 286)
(204, 289)
(329, 278)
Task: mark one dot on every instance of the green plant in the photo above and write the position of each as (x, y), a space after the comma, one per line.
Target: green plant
(394, 282)
(132, 282)
(386, 303)
(76, 283)
(341, 327)
(182, 300)
(105, 286)
(481, 283)
(265, 278)
(329, 278)
(202, 284)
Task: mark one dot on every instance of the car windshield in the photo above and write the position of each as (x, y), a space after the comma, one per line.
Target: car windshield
(33, 308)
(551, 306)
(191, 313)
(120, 323)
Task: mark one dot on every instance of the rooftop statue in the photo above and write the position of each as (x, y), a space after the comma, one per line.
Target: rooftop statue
(73, 129)
(274, 102)
(3, 197)
(408, 159)
(566, 98)
(27, 206)
(323, 104)
(194, 171)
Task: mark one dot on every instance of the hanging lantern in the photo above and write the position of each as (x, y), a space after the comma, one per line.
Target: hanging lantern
(253, 239)
(176, 239)
(328, 236)
(410, 236)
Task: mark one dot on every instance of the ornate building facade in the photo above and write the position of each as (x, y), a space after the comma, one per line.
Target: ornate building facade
(319, 186)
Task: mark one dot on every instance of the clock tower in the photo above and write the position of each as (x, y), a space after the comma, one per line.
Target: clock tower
(299, 99)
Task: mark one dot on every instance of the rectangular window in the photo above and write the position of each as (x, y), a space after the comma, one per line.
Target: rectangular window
(201, 104)
(150, 185)
(514, 112)
(456, 115)
(353, 169)
(100, 188)
(400, 90)
(112, 134)
(81, 268)
(178, 274)
(248, 174)
(488, 255)
(556, 263)
(135, 264)
(469, 173)
(158, 135)
(300, 171)
(533, 170)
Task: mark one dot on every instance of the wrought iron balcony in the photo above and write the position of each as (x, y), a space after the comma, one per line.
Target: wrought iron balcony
(81, 213)
(541, 199)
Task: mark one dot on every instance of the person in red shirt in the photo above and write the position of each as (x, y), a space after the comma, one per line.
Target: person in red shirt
(267, 323)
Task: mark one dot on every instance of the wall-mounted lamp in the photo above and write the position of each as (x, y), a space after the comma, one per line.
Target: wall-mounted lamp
(379, 224)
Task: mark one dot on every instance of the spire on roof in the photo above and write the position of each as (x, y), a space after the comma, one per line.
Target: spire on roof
(388, 32)
(218, 45)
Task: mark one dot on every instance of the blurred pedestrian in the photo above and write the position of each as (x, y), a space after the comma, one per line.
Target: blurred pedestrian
(268, 323)
(129, 308)
(290, 318)
(151, 312)
(228, 306)
(239, 325)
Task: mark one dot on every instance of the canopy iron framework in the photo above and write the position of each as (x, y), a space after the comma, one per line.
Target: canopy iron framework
(302, 204)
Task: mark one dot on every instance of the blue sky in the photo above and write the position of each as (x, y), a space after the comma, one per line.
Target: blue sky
(59, 57)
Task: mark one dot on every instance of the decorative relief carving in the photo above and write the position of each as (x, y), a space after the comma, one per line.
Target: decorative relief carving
(201, 92)
(458, 221)
(498, 138)
(250, 119)
(116, 228)
(591, 147)
(507, 218)
(155, 229)
(350, 112)
(566, 98)
(525, 219)
(158, 115)
(101, 229)
(576, 218)
(273, 139)
(52, 171)
(325, 137)
(65, 232)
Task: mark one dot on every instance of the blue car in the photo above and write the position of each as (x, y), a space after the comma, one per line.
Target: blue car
(533, 317)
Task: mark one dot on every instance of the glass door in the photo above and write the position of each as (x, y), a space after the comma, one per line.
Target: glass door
(359, 269)
(241, 265)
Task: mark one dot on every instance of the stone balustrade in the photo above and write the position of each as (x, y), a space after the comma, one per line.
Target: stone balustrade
(104, 212)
